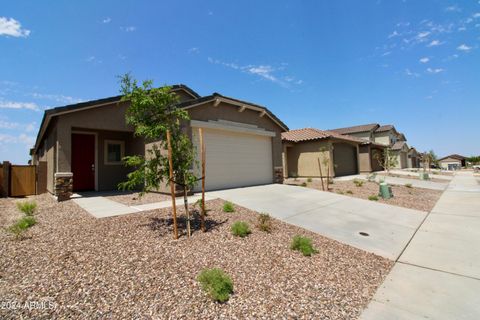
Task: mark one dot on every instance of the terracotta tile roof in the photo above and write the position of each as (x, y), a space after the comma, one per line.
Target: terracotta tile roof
(308, 134)
(384, 128)
(357, 129)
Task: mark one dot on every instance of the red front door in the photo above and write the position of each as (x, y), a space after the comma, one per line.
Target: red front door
(83, 161)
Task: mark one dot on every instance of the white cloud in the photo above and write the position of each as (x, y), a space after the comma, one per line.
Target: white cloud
(386, 53)
(462, 29)
(423, 34)
(476, 15)
(128, 28)
(434, 43)
(107, 20)
(194, 50)
(424, 60)
(93, 59)
(435, 70)
(18, 105)
(13, 28)
(453, 8)
(56, 97)
(393, 34)
(411, 74)
(28, 127)
(464, 47)
(8, 125)
(21, 138)
(264, 71)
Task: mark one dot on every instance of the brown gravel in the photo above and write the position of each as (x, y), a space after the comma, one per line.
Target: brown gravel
(134, 198)
(412, 198)
(129, 267)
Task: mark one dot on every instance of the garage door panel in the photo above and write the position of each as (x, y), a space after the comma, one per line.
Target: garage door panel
(345, 159)
(235, 159)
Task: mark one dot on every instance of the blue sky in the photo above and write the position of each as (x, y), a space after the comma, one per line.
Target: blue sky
(323, 64)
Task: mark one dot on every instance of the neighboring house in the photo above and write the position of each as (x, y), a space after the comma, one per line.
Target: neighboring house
(306, 150)
(88, 141)
(452, 162)
(413, 160)
(385, 135)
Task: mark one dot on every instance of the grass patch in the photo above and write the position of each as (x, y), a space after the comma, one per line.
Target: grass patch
(373, 198)
(304, 245)
(359, 183)
(27, 207)
(19, 227)
(228, 207)
(216, 283)
(240, 229)
(264, 222)
(349, 192)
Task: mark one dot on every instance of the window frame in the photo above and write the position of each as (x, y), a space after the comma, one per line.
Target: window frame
(105, 152)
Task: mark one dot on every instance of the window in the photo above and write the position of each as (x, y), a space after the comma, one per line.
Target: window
(114, 152)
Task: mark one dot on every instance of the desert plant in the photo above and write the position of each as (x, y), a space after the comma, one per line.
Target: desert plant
(216, 283)
(240, 229)
(359, 183)
(264, 222)
(27, 207)
(304, 245)
(19, 227)
(309, 180)
(373, 198)
(349, 192)
(408, 185)
(228, 207)
(340, 192)
(387, 160)
(304, 184)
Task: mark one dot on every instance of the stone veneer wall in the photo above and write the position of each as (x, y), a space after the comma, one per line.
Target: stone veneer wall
(63, 185)
(278, 171)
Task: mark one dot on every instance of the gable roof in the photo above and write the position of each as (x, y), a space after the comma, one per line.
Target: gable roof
(356, 129)
(217, 97)
(310, 134)
(399, 145)
(454, 156)
(384, 128)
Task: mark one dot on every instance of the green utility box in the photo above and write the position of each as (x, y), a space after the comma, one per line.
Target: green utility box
(385, 191)
(424, 176)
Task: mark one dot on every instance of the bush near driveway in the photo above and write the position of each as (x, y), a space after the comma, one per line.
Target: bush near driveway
(304, 245)
(240, 229)
(216, 283)
(27, 207)
(228, 207)
(264, 222)
(21, 225)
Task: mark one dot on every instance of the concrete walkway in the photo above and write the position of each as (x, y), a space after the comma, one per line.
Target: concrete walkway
(438, 274)
(338, 217)
(101, 207)
(425, 184)
(433, 174)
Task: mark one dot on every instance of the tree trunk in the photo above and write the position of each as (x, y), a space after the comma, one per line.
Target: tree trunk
(187, 212)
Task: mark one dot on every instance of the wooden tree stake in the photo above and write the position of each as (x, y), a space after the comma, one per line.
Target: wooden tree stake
(202, 148)
(172, 186)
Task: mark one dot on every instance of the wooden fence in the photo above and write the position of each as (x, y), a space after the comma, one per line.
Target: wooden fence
(22, 180)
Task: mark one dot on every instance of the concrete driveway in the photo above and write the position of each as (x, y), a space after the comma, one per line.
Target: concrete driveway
(338, 217)
(438, 274)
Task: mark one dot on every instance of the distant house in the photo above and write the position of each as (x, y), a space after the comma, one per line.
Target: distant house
(85, 142)
(385, 135)
(452, 162)
(413, 160)
(305, 150)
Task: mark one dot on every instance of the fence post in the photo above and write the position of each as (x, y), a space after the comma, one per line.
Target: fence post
(6, 179)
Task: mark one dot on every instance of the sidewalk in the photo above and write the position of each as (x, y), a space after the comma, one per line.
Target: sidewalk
(438, 274)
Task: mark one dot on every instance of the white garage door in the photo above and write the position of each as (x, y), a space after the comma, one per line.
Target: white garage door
(235, 159)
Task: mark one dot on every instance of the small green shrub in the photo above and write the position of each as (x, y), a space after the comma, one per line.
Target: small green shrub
(373, 198)
(27, 207)
(304, 184)
(216, 283)
(240, 229)
(264, 222)
(408, 185)
(228, 207)
(359, 183)
(304, 245)
(340, 192)
(21, 225)
(349, 192)
(309, 180)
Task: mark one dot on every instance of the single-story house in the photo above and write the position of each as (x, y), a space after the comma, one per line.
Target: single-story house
(413, 160)
(307, 153)
(452, 162)
(400, 151)
(83, 144)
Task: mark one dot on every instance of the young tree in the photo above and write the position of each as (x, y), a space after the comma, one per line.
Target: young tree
(387, 160)
(153, 112)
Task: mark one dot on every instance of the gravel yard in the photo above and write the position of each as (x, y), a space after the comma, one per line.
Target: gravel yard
(412, 198)
(133, 198)
(130, 267)
(432, 177)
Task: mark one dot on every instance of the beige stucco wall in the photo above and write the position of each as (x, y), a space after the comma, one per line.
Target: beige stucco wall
(445, 162)
(383, 137)
(362, 135)
(305, 158)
